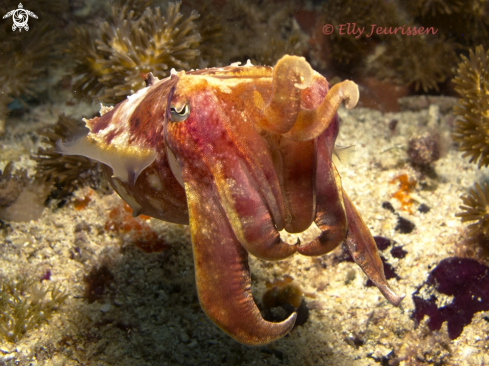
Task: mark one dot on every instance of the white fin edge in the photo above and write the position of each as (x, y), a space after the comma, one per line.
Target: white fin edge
(126, 162)
(343, 154)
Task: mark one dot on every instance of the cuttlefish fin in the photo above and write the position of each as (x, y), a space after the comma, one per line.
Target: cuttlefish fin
(127, 162)
(223, 276)
(363, 250)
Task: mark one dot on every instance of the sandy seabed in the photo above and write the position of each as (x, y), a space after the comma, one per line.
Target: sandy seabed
(149, 313)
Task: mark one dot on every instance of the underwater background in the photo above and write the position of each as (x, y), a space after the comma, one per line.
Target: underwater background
(83, 282)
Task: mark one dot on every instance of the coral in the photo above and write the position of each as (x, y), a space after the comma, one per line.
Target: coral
(423, 62)
(476, 20)
(467, 281)
(22, 66)
(464, 21)
(211, 29)
(406, 185)
(24, 305)
(274, 32)
(471, 133)
(476, 208)
(21, 198)
(345, 50)
(111, 58)
(380, 55)
(423, 150)
(82, 203)
(475, 246)
(429, 65)
(11, 184)
(471, 130)
(68, 172)
(434, 7)
(136, 230)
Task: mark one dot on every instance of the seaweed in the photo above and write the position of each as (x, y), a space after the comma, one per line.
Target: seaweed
(25, 305)
(464, 279)
(109, 60)
(67, 172)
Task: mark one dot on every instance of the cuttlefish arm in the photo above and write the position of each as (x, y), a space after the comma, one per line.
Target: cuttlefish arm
(330, 217)
(283, 114)
(223, 276)
(363, 250)
(243, 176)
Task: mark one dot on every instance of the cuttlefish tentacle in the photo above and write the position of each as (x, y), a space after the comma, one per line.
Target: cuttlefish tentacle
(363, 250)
(290, 76)
(310, 123)
(330, 210)
(223, 276)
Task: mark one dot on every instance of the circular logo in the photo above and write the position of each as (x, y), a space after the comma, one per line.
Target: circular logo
(20, 17)
(328, 29)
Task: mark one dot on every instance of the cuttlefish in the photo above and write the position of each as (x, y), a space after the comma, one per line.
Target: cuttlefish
(239, 153)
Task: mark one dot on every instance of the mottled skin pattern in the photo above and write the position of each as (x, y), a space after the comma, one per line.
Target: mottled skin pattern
(251, 148)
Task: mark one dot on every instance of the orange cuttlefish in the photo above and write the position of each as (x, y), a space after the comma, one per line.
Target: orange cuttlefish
(239, 153)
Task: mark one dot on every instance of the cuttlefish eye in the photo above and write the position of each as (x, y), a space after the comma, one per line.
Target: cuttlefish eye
(179, 114)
